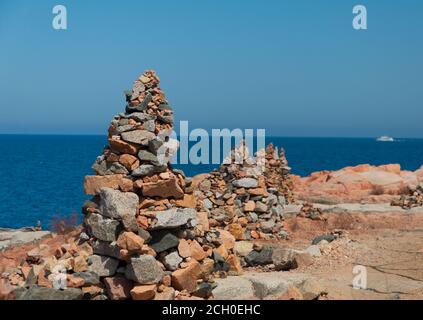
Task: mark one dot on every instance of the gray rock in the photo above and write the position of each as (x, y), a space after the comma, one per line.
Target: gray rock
(142, 106)
(154, 146)
(253, 216)
(268, 284)
(327, 237)
(163, 240)
(207, 204)
(141, 117)
(245, 183)
(267, 226)
(260, 207)
(144, 170)
(144, 270)
(141, 137)
(174, 218)
(233, 288)
(314, 250)
(103, 248)
(283, 259)
(260, 258)
(118, 205)
(172, 261)
(102, 266)
(124, 128)
(102, 228)
(150, 125)
(204, 290)
(41, 293)
(292, 210)
(146, 156)
(104, 168)
(90, 277)
(277, 211)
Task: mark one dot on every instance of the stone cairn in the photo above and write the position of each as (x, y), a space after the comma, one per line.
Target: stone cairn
(148, 239)
(414, 198)
(247, 195)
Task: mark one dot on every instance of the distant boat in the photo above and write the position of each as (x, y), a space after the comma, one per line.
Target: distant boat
(385, 139)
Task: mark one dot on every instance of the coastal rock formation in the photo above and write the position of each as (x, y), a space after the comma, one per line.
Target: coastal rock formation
(366, 183)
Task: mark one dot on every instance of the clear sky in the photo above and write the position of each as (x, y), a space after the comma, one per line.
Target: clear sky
(295, 67)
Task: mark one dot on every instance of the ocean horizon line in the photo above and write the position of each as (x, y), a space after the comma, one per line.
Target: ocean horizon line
(268, 136)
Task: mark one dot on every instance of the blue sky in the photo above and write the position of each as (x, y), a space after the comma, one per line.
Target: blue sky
(295, 68)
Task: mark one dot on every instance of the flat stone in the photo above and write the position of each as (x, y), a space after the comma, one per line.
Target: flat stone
(141, 137)
(103, 248)
(103, 266)
(163, 189)
(42, 293)
(116, 204)
(121, 146)
(141, 117)
(89, 277)
(144, 270)
(245, 183)
(327, 237)
(143, 292)
(233, 288)
(174, 218)
(93, 184)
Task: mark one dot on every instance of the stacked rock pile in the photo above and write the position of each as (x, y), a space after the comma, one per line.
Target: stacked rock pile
(414, 198)
(247, 195)
(148, 239)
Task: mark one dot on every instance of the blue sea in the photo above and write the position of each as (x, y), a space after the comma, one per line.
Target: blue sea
(41, 177)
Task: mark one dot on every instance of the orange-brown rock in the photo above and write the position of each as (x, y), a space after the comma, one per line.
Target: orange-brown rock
(121, 146)
(222, 251)
(163, 189)
(143, 292)
(93, 184)
(197, 251)
(203, 221)
(74, 282)
(80, 264)
(292, 293)
(249, 206)
(184, 248)
(129, 162)
(227, 239)
(235, 264)
(189, 201)
(237, 231)
(131, 242)
(186, 279)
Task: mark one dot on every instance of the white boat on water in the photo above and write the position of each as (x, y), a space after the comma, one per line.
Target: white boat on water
(385, 139)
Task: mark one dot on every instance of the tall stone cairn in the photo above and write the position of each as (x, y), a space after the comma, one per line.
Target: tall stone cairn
(148, 239)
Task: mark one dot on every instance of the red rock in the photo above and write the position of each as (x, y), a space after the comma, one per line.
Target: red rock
(121, 146)
(163, 189)
(93, 184)
(118, 288)
(129, 162)
(130, 241)
(186, 279)
(222, 251)
(143, 292)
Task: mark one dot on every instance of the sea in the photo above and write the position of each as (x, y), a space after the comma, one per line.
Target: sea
(41, 176)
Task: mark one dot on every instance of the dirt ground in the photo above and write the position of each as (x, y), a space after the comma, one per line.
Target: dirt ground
(389, 247)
